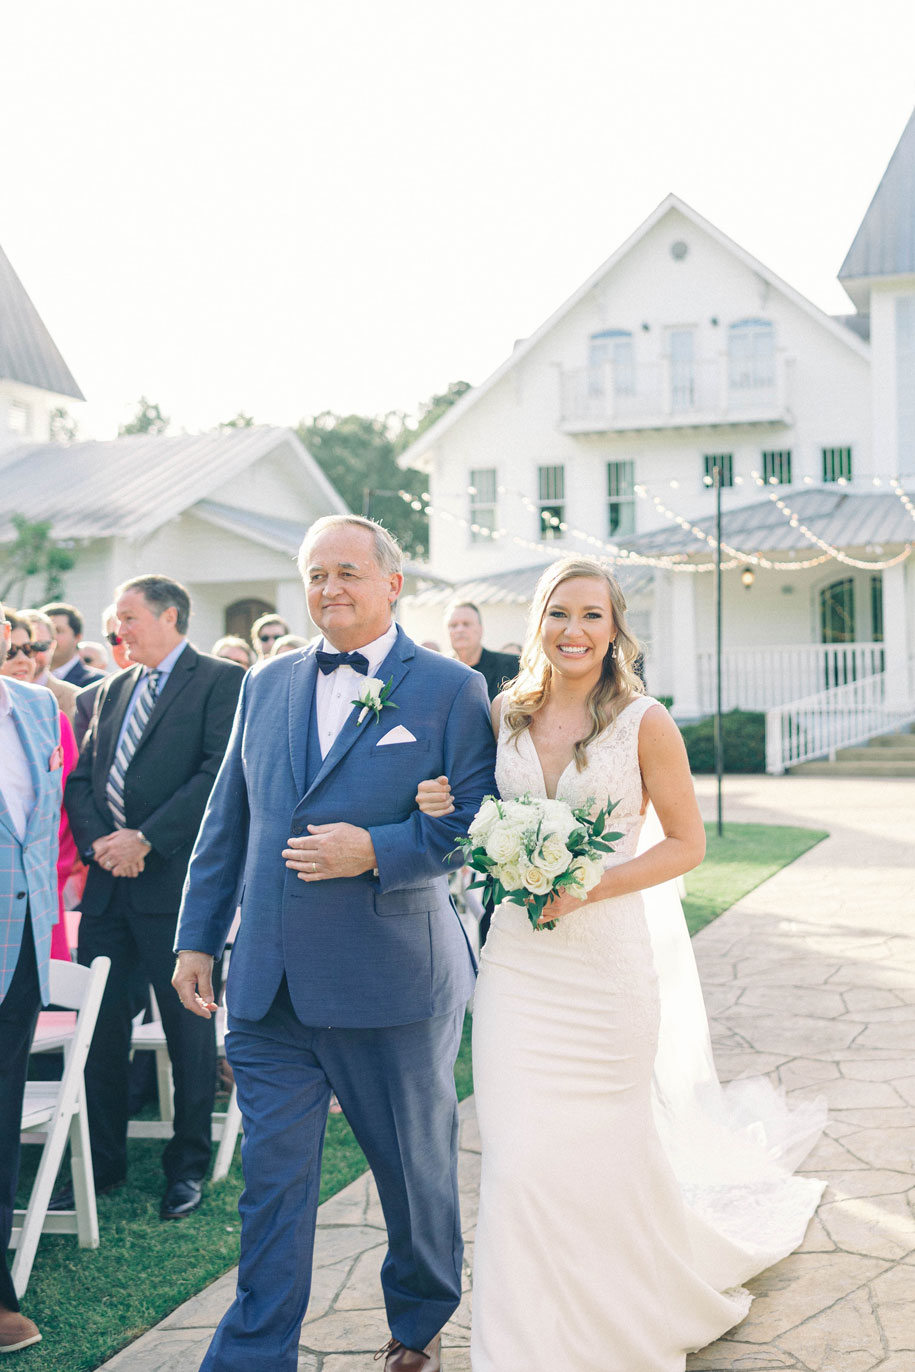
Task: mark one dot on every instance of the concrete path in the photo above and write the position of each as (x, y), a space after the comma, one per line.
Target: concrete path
(811, 978)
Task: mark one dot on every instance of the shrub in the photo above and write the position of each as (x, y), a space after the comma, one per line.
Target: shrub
(744, 735)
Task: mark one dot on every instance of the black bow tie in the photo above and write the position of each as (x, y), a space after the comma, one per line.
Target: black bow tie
(329, 662)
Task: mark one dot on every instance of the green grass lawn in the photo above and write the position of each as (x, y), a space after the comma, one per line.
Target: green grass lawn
(735, 864)
(89, 1304)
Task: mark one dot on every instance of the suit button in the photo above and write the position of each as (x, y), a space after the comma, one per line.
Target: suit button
(296, 830)
(20, 895)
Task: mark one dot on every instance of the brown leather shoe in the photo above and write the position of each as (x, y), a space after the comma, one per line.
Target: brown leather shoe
(398, 1358)
(16, 1331)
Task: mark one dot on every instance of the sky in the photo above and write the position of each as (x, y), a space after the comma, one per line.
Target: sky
(288, 206)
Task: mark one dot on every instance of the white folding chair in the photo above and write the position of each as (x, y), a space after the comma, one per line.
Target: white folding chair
(225, 1127)
(53, 1112)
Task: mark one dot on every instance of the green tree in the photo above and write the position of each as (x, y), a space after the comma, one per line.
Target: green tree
(241, 421)
(33, 552)
(148, 419)
(358, 453)
(62, 425)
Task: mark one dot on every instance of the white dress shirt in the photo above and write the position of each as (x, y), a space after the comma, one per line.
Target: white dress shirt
(336, 690)
(15, 775)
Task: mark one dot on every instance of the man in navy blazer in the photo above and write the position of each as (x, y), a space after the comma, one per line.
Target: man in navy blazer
(350, 971)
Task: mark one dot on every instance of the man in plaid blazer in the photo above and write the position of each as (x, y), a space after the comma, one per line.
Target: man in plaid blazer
(30, 790)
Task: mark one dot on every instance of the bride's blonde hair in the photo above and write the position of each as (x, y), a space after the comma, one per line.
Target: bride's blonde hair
(618, 682)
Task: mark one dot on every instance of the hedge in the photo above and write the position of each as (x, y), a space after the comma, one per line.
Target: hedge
(744, 735)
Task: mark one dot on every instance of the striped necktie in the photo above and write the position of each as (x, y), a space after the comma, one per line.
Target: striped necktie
(114, 789)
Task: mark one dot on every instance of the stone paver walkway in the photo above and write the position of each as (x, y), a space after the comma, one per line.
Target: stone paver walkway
(811, 978)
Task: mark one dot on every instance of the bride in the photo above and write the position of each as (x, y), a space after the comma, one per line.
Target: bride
(624, 1195)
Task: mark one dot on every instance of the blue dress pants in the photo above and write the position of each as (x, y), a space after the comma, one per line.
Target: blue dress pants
(396, 1087)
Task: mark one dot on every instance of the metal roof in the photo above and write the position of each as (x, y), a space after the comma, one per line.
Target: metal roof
(516, 587)
(28, 353)
(128, 487)
(885, 243)
(843, 519)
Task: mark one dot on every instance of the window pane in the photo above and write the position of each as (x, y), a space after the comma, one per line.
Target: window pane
(724, 463)
(776, 467)
(837, 464)
(552, 483)
(751, 354)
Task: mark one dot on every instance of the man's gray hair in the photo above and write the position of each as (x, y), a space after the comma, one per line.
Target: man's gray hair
(160, 594)
(388, 553)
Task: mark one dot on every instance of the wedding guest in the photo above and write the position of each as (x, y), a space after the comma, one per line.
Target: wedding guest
(29, 803)
(43, 645)
(85, 698)
(66, 663)
(289, 643)
(234, 649)
(265, 631)
(93, 655)
(20, 666)
(465, 630)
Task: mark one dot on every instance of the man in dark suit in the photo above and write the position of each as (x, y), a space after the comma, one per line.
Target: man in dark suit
(465, 629)
(135, 800)
(66, 664)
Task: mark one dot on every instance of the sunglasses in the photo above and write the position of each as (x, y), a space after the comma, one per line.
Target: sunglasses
(27, 649)
(114, 639)
(41, 645)
(271, 638)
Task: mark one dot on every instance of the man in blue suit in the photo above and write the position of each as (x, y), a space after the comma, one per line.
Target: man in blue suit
(30, 790)
(350, 972)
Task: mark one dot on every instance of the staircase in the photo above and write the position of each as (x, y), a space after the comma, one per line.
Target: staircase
(890, 755)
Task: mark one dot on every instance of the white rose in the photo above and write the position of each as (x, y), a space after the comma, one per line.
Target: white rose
(558, 818)
(536, 881)
(586, 873)
(503, 842)
(511, 876)
(484, 819)
(553, 857)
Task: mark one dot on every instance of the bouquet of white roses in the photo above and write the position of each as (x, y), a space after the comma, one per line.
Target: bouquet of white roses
(528, 849)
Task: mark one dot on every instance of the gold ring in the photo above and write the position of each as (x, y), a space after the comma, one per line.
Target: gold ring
(314, 866)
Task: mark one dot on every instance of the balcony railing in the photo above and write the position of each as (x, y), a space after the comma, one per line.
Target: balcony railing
(763, 678)
(820, 724)
(667, 395)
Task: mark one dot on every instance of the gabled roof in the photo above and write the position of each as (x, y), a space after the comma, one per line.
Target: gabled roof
(885, 243)
(671, 204)
(841, 518)
(128, 487)
(28, 353)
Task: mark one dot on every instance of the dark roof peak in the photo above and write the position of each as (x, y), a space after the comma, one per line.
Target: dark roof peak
(28, 353)
(885, 243)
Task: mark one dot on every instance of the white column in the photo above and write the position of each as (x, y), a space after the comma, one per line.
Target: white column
(291, 606)
(896, 639)
(684, 646)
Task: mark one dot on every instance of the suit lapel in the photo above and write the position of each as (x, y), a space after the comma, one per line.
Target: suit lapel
(178, 678)
(28, 736)
(394, 668)
(301, 703)
(119, 693)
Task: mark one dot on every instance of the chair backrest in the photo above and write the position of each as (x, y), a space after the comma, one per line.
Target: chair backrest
(80, 989)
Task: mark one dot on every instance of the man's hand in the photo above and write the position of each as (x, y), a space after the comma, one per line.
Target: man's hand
(193, 980)
(121, 853)
(331, 850)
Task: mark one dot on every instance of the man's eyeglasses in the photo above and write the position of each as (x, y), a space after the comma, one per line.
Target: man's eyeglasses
(27, 649)
(41, 645)
(114, 639)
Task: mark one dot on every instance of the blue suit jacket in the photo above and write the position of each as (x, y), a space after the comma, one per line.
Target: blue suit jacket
(362, 951)
(28, 868)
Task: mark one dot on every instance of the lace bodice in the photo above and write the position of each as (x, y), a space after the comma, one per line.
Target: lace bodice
(613, 930)
(611, 773)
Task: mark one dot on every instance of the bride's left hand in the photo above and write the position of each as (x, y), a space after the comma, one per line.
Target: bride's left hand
(560, 906)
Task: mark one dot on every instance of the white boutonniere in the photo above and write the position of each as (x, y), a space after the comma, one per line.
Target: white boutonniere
(374, 697)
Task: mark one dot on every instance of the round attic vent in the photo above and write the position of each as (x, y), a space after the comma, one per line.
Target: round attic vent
(678, 250)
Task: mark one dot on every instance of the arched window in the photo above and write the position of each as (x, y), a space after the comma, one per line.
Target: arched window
(611, 364)
(241, 614)
(837, 626)
(751, 355)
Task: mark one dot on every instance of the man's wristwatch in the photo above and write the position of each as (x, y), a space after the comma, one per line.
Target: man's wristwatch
(143, 839)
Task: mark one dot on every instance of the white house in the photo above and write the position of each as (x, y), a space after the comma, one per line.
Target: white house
(223, 512)
(681, 359)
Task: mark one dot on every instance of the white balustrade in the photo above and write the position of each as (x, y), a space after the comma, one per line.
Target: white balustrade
(667, 394)
(760, 678)
(815, 727)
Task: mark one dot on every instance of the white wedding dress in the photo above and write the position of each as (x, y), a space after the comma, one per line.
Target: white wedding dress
(625, 1196)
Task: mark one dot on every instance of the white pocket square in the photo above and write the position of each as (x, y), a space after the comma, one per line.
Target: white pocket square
(396, 735)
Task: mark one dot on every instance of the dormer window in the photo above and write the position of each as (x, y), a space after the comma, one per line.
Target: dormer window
(751, 355)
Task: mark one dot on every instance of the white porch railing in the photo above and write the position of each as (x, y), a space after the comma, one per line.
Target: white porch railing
(666, 394)
(819, 724)
(760, 678)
